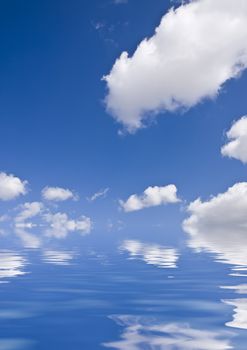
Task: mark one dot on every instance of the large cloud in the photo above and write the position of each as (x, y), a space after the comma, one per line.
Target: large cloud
(237, 145)
(11, 187)
(194, 51)
(58, 194)
(219, 226)
(151, 197)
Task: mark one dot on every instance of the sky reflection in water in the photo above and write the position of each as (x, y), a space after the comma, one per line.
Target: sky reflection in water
(131, 295)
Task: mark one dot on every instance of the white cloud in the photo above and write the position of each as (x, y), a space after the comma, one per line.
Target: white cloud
(151, 197)
(28, 211)
(61, 225)
(194, 51)
(237, 145)
(58, 194)
(144, 333)
(152, 254)
(11, 187)
(219, 226)
(101, 193)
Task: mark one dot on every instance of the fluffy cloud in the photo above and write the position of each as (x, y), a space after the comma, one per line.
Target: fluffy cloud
(61, 225)
(28, 211)
(219, 226)
(11, 187)
(144, 333)
(151, 197)
(194, 51)
(237, 145)
(152, 254)
(58, 194)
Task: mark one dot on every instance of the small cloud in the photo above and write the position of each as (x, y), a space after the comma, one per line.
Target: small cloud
(61, 225)
(11, 187)
(237, 145)
(58, 194)
(28, 211)
(98, 25)
(101, 193)
(115, 225)
(151, 197)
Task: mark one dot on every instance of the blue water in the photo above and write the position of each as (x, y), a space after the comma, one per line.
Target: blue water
(124, 293)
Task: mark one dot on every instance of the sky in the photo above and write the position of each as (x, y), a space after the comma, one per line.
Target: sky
(119, 115)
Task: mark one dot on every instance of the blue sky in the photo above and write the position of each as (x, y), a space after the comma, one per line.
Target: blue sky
(56, 130)
(123, 152)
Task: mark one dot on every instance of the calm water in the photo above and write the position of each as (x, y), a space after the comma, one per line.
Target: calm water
(125, 294)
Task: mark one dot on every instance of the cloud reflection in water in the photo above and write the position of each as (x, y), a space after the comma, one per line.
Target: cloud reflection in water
(152, 254)
(11, 264)
(140, 333)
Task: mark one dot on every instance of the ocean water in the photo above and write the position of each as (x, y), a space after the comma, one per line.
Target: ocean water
(125, 293)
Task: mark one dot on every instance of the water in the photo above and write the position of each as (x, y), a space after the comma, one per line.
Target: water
(125, 293)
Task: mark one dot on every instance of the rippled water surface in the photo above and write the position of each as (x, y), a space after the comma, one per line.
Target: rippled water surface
(125, 294)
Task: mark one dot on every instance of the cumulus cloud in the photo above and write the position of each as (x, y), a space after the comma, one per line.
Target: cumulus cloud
(152, 254)
(58, 194)
(11, 187)
(237, 145)
(28, 211)
(194, 51)
(151, 197)
(219, 226)
(61, 225)
(144, 333)
(101, 193)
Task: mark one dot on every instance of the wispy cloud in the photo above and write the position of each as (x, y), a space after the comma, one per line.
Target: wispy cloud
(101, 193)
